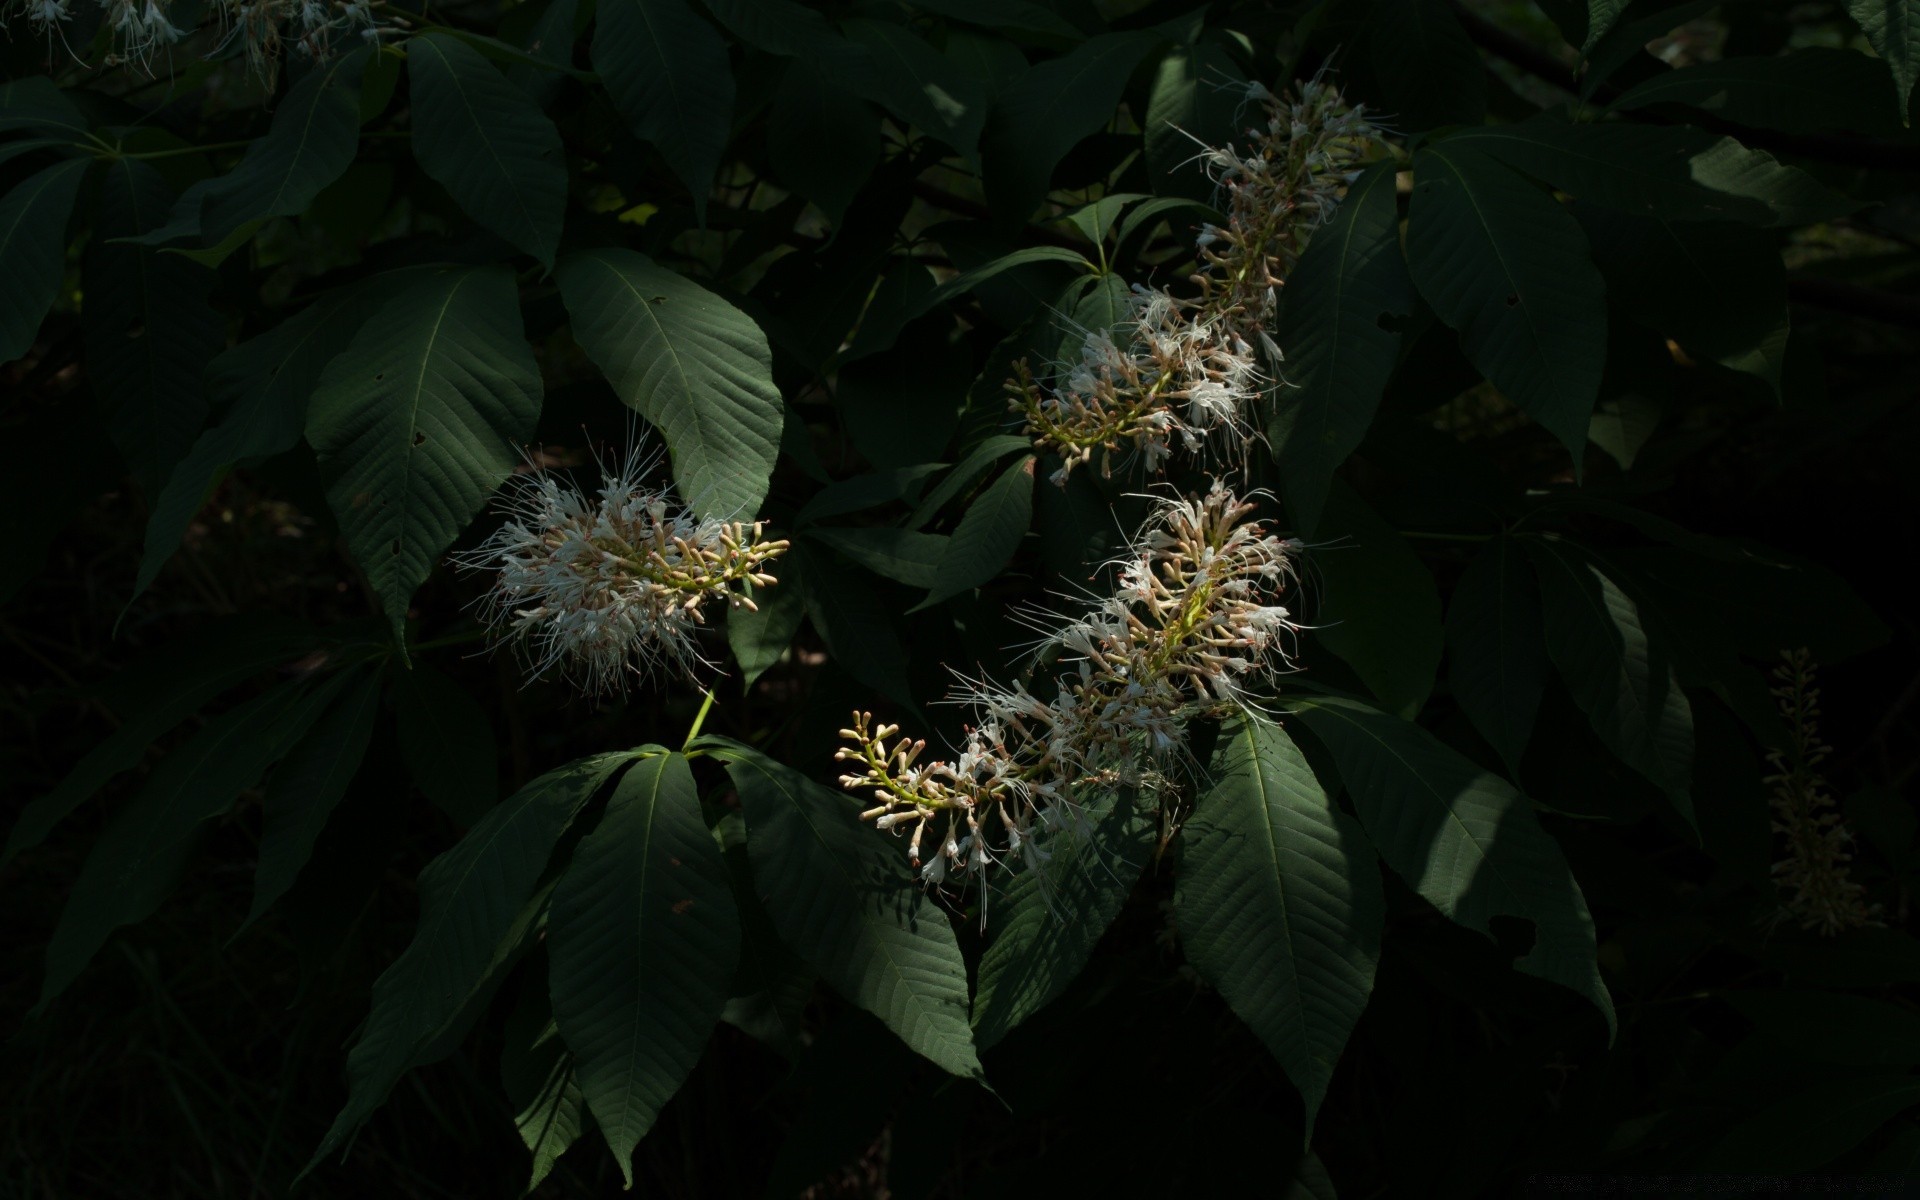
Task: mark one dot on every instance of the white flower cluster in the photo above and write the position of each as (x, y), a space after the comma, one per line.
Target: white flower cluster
(267, 28)
(611, 585)
(1193, 618)
(1184, 371)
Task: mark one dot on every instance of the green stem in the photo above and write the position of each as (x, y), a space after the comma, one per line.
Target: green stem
(699, 720)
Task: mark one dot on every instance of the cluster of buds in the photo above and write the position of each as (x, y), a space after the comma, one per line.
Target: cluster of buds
(1191, 621)
(268, 28)
(610, 586)
(1818, 889)
(1186, 370)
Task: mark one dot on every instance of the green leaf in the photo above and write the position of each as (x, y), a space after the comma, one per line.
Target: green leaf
(36, 104)
(1345, 291)
(1815, 89)
(643, 939)
(987, 536)
(446, 740)
(1006, 14)
(1627, 43)
(1188, 110)
(471, 899)
(1893, 29)
(966, 281)
(303, 790)
(1045, 921)
(1047, 111)
(263, 386)
(666, 71)
(1815, 1125)
(1502, 262)
(857, 623)
(149, 328)
(922, 86)
(415, 423)
(1622, 425)
(1279, 903)
(487, 143)
(552, 1118)
(822, 140)
(1381, 611)
(912, 558)
(1601, 14)
(1833, 1027)
(962, 477)
(1673, 172)
(1463, 838)
(843, 897)
(696, 367)
(1622, 680)
(1496, 643)
(551, 44)
(759, 636)
(135, 862)
(771, 987)
(312, 140)
(870, 490)
(33, 251)
(156, 693)
(1429, 71)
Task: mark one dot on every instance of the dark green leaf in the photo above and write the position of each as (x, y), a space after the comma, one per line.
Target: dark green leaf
(1893, 28)
(1814, 89)
(1044, 922)
(966, 281)
(1502, 262)
(822, 140)
(1045, 112)
(1380, 611)
(870, 490)
(1279, 903)
(446, 740)
(1345, 291)
(987, 535)
(1834, 1027)
(554, 1116)
(856, 622)
(36, 104)
(842, 895)
(1192, 106)
(33, 251)
(1817, 1124)
(1496, 642)
(695, 366)
(921, 86)
(962, 477)
(912, 558)
(1429, 71)
(416, 422)
(487, 143)
(1463, 838)
(643, 941)
(666, 70)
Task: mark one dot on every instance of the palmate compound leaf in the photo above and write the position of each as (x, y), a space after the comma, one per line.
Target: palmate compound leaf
(136, 860)
(1502, 261)
(1043, 922)
(844, 898)
(471, 899)
(643, 941)
(1462, 837)
(416, 421)
(666, 71)
(1497, 650)
(693, 365)
(1347, 287)
(1621, 679)
(33, 250)
(487, 143)
(1279, 903)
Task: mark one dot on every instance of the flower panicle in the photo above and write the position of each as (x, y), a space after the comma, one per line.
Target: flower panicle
(1818, 888)
(268, 29)
(1193, 616)
(611, 585)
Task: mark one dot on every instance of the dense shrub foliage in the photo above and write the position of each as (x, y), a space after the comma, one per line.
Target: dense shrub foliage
(957, 599)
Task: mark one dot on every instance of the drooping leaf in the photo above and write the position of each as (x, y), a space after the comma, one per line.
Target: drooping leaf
(487, 143)
(1496, 643)
(133, 865)
(552, 1118)
(643, 941)
(666, 71)
(416, 423)
(771, 986)
(922, 86)
(263, 385)
(1893, 28)
(149, 327)
(1601, 14)
(912, 558)
(471, 898)
(1463, 838)
(446, 740)
(1279, 903)
(843, 897)
(1380, 610)
(696, 367)
(987, 535)
(155, 694)
(1622, 679)
(307, 784)
(1814, 89)
(1044, 922)
(1045, 112)
(33, 251)
(1429, 71)
(1502, 262)
(1343, 294)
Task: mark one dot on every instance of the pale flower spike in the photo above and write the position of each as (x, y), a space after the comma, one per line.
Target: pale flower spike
(1186, 373)
(268, 29)
(1192, 621)
(610, 587)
